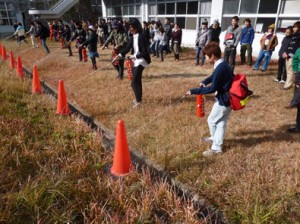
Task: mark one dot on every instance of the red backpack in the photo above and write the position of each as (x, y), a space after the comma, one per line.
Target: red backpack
(239, 92)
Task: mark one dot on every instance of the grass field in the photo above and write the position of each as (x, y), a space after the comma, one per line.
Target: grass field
(256, 180)
(53, 170)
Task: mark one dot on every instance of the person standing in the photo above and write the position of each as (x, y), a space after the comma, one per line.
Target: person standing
(168, 29)
(66, 35)
(80, 37)
(141, 58)
(215, 31)
(289, 54)
(91, 43)
(176, 40)
(219, 83)
(281, 77)
(156, 38)
(202, 39)
(246, 42)
(267, 43)
(120, 40)
(43, 33)
(231, 41)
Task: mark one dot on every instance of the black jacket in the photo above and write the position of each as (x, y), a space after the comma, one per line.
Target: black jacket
(42, 32)
(80, 34)
(294, 44)
(91, 42)
(66, 34)
(143, 48)
(284, 45)
(215, 34)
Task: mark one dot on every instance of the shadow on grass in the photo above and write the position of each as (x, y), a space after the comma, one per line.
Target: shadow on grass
(252, 138)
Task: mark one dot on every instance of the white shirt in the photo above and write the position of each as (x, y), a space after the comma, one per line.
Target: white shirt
(218, 62)
(138, 61)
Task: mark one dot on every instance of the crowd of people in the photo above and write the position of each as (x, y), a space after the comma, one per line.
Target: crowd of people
(159, 39)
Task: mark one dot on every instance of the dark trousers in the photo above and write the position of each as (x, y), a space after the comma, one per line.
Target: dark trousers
(93, 59)
(161, 51)
(281, 69)
(80, 54)
(136, 82)
(248, 48)
(229, 56)
(120, 69)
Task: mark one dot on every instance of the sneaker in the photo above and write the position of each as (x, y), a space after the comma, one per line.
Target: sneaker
(207, 140)
(282, 81)
(136, 105)
(211, 152)
(276, 80)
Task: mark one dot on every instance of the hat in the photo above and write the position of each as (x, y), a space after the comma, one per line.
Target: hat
(216, 21)
(92, 28)
(205, 22)
(114, 24)
(272, 26)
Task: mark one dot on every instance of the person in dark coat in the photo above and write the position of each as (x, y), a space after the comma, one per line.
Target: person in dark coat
(80, 37)
(140, 57)
(91, 42)
(176, 40)
(66, 35)
(43, 33)
(215, 31)
(281, 76)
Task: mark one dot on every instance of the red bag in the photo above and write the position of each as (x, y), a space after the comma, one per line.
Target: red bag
(239, 92)
(229, 36)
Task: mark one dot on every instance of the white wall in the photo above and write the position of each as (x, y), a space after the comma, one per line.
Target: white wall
(189, 36)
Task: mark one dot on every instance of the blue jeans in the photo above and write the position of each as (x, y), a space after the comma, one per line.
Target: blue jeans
(198, 50)
(266, 55)
(155, 48)
(45, 45)
(217, 121)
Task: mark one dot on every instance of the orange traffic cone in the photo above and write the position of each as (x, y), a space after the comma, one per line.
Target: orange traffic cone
(62, 103)
(12, 60)
(4, 55)
(20, 71)
(122, 163)
(84, 55)
(200, 105)
(36, 84)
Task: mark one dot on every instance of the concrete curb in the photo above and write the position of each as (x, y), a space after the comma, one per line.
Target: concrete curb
(205, 210)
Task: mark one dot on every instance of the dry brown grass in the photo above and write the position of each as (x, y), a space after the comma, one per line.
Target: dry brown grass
(54, 170)
(256, 180)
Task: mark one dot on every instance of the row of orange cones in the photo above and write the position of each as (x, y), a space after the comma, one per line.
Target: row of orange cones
(121, 162)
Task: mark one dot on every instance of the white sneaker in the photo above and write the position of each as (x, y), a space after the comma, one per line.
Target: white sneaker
(282, 81)
(136, 105)
(276, 80)
(211, 152)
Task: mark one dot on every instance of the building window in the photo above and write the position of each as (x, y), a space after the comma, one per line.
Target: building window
(284, 23)
(290, 6)
(7, 14)
(138, 10)
(161, 8)
(181, 22)
(205, 7)
(268, 6)
(191, 23)
(170, 8)
(152, 10)
(249, 6)
(181, 8)
(231, 6)
(193, 7)
(263, 23)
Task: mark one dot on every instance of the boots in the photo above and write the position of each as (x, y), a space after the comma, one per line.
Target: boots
(176, 57)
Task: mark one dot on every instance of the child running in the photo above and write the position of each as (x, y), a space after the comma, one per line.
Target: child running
(20, 33)
(220, 82)
(66, 35)
(80, 37)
